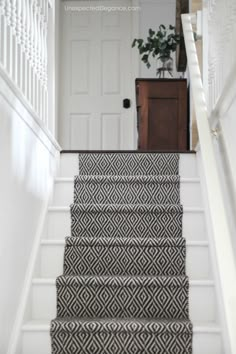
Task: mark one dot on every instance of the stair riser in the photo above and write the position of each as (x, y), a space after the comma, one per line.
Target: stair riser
(69, 165)
(124, 164)
(190, 193)
(122, 343)
(117, 260)
(58, 225)
(51, 262)
(122, 301)
(126, 221)
(40, 343)
(201, 302)
(126, 192)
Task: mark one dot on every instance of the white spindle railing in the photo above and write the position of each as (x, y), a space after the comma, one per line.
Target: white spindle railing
(221, 230)
(221, 52)
(23, 50)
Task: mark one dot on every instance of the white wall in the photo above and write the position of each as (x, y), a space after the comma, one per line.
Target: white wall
(152, 14)
(219, 31)
(27, 166)
(225, 147)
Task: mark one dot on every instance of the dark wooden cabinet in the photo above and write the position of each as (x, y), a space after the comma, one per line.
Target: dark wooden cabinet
(162, 107)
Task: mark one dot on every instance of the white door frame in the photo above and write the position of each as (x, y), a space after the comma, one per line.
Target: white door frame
(135, 60)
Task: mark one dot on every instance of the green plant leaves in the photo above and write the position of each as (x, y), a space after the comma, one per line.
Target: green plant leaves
(134, 42)
(163, 46)
(145, 58)
(140, 42)
(151, 32)
(162, 42)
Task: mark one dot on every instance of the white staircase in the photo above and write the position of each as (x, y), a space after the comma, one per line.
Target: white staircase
(207, 339)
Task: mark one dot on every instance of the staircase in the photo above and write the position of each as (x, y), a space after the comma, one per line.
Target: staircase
(207, 337)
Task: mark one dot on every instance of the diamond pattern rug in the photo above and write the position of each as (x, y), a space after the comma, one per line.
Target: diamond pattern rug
(124, 288)
(126, 189)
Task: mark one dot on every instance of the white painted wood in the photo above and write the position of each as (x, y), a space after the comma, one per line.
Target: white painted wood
(207, 342)
(224, 248)
(70, 164)
(52, 254)
(58, 224)
(28, 165)
(135, 63)
(36, 339)
(15, 337)
(221, 32)
(190, 192)
(220, 62)
(24, 50)
(16, 99)
(202, 303)
(213, 254)
(96, 72)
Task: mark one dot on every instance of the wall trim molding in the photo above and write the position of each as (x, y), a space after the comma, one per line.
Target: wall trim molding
(15, 98)
(20, 313)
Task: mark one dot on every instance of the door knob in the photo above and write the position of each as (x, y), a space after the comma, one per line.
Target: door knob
(126, 103)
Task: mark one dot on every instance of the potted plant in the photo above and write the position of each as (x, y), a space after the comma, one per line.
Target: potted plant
(160, 44)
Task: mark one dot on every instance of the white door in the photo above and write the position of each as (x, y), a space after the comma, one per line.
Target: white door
(96, 75)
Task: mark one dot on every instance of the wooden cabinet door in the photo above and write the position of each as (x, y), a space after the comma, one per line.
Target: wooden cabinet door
(163, 116)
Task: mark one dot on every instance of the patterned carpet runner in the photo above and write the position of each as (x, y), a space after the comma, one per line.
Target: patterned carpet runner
(124, 289)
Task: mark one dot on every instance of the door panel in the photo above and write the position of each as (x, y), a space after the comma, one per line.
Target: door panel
(111, 67)
(163, 124)
(96, 75)
(79, 77)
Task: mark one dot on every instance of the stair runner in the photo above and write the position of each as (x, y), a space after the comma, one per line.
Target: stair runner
(124, 289)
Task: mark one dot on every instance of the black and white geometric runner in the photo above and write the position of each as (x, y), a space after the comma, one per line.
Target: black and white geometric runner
(126, 190)
(124, 256)
(124, 288)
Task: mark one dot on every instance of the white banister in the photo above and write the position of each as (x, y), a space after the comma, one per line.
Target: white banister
(23, 50)
(221, 18)
(227, 97)
(221, 231)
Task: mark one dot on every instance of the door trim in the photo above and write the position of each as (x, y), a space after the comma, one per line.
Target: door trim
(135, 64)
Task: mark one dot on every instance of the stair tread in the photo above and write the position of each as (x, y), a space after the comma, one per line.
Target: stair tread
(44, 325)
(142, 178)
(65, 208)
(127, 207)
(71, 179)
(126, 241)
(124, 278)
(58, 242)
(132, 325)
(52, 281)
